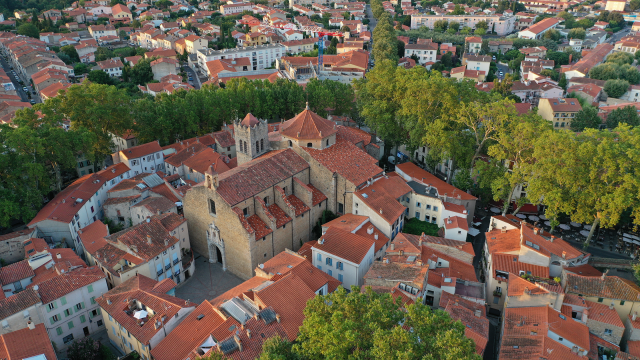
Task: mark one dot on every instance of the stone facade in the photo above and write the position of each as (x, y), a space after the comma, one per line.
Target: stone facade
(12, 247)
(252, 139)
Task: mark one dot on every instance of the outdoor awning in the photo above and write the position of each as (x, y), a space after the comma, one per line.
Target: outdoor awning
(528, 209)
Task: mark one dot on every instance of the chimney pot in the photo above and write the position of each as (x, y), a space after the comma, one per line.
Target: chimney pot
(149, 239)
(611, 306)
(393, 246)
(552, 238)
(278, 317)
(248, 333)
(634, 316)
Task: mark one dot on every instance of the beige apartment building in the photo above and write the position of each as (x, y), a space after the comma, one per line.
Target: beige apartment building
(560, 112)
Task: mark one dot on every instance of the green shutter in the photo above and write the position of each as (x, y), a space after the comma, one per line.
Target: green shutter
(59, 330)
(70, 323)
(82, 319)
(99, 311)
(90, 288)
(93, 300)
(63, 300)
(52, 320)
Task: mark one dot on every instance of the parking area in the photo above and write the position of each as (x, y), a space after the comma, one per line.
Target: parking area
(208, 281)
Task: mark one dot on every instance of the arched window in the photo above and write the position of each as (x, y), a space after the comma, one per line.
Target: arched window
(327, 142)
(257, 146)
(290, 143)
(261, 144)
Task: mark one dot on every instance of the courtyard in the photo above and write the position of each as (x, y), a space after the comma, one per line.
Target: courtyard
(208, 282)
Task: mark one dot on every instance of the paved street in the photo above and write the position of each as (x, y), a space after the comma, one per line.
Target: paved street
(208, 281)
(14, 80)
(196, 80)
(617, 36)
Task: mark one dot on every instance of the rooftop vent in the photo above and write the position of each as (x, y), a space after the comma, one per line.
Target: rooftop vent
(200, 317)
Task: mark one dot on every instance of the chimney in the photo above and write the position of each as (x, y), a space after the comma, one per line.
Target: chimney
(503, 230)
(611, 306)
(375, 236)
(148, 239)
(634, 316)
(108, 301)
(478, 313)
(237, 339)
(63, 201)
(401, 252)
(564, 254)
(419, 262)
(166, 242)
(552, 238)
(370, 230)
(31, 325)
(380, 211)
(58, 256)
(585, 316)
(575, 348)
(420, 240)
(278, 318)
(604, 274)
(393, 246)
(527, 291)
(248, 333)
(535, 231)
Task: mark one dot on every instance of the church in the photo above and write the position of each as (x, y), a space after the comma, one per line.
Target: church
(288, 174)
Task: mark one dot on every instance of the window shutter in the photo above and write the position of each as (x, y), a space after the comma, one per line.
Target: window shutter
(90, 288)
(51, 320)
(63, 300)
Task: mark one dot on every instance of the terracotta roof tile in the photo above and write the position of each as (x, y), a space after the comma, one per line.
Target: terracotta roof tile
(416, 173)
(602, 313)
(165, 191)
(281, 217)
(15, 272)
(519, 286)
(511, 264)
(250, 178)
(476, 327)
(34, 245)
(611, 287)
(260, 228)
(308, 125)
(141, 288)
(317, 196)
(345, 245)
(92, 236)
(596, 342)
(154, 229)
(187, 152)
(584, 270)
(456, 222)
(27, 344)
(382, 196)
(18, 302)
(307, 250)
(141, 150)
(155, 204)
(67, 282)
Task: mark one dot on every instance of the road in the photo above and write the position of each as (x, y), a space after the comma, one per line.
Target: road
(14, 80)
(617, 36)
(196, 80)
(372, 24)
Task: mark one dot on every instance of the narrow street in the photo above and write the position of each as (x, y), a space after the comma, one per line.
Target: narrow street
(14, 80)
(196, 80)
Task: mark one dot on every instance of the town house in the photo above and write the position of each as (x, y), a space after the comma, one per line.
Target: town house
(142, 158)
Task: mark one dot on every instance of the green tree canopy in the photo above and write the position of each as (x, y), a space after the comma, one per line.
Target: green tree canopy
(577, 33)
(623, 115)
(29, 30)
(616, 87)
(373, 326)
(587, 118)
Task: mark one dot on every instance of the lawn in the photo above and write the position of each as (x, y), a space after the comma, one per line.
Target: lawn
(417, 227)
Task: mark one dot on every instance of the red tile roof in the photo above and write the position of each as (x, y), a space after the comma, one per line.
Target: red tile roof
(259, 227)
(348, 161)
(456, 222)
(584, 270)
(18, 302)
(250, 120)
(157, 229)
(611, 287)
(27, 343)
(418, 174)
(476, 327)
(155, 204)
(67, 202)
(252, 177)
(141, 150)
(345, 245)
(542, 25)
(34, 245)
(382, 197)
(602, 313)
(15, 272)
(67, 282)
(511, 264)
(141, 288)
(308, 125)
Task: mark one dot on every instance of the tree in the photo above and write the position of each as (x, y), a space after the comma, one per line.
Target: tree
(552, 34)
(587, 118)
(482, 25)
(623, 115)
(38, 150)
(141, 72)
(503, 87)
(480, 32)
(367, 325)
(386, 44)
(80, 69)
(620, 58)
(29, 30)
(458, 10)
(84, 349)
(70, 50)
(103, 53)
(616, 88)
(400, 49)
(100, 109)
(634, 5)
(563, 81)
(99, 77)
(440, 25)
(456, 25)
(577, 33)
(588, 176)
(277, 348)
(513, 147)
(466, 30)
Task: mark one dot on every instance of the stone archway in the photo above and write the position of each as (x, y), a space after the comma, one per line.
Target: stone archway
(215, 245)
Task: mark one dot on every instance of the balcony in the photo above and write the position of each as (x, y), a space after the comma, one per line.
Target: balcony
(497, 293)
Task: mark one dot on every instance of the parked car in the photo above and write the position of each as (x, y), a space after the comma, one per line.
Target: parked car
(25, 89)
(32, 102)
(501, 73)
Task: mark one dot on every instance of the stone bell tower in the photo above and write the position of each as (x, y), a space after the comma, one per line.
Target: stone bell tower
(252, 138)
